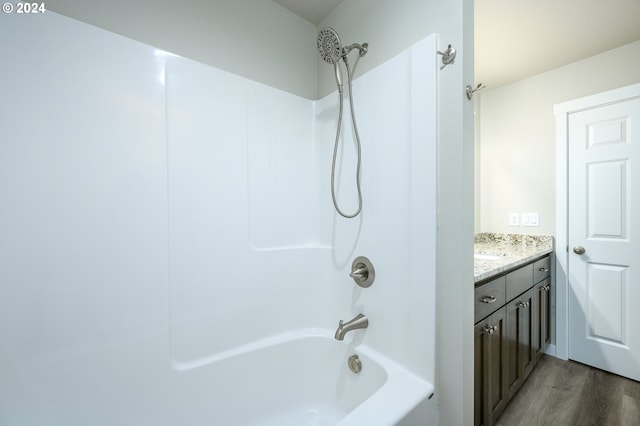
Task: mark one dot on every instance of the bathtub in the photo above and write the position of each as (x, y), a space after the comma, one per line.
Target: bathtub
(302, 378)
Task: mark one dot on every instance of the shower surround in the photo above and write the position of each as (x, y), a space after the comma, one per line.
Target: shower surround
(167, 227)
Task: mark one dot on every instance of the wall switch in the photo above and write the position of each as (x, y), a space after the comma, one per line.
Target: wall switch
(531, 219)
(514, 219)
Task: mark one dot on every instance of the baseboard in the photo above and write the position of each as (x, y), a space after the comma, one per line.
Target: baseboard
(551, 350)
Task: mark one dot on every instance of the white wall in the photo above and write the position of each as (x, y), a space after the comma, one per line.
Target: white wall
(517, 136)
(257, 39)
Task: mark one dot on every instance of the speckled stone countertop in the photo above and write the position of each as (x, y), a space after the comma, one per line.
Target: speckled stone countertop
(497, 253)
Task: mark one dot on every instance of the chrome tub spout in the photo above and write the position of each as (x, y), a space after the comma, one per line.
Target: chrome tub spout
(360, 321)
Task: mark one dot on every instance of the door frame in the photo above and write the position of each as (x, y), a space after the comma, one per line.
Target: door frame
(561, 112)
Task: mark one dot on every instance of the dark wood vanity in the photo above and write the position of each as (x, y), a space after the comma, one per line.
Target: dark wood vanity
(512, 330)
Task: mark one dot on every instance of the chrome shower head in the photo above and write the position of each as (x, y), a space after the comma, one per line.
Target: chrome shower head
(330, 50)
(329, 45)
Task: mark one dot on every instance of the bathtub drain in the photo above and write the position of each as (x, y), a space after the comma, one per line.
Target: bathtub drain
(355, 364)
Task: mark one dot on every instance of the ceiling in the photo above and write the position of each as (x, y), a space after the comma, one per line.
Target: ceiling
(516, 39)
(313, 11)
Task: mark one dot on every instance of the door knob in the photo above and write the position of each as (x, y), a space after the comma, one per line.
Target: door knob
(579, 250)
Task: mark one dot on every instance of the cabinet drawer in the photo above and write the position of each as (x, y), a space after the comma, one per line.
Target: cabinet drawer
(519, 281)
(489, 297)
(541, 269)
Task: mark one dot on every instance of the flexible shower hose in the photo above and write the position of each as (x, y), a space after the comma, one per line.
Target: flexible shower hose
(358, 147)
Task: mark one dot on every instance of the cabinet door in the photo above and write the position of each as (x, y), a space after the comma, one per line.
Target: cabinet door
(528, 333)
(497, 389)
(546, 314)
(489, 371)
(542, 323)
(520, 356)
(513, 362)
(538, 308)
(490, 386)
(481, 370)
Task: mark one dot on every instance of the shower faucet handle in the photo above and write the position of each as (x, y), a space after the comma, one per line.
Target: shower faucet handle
(362, 272)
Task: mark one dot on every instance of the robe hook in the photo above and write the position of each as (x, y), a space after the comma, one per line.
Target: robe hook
(448, 56)
(471, 90)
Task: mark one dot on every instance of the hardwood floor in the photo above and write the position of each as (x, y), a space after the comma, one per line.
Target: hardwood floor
(567, 393)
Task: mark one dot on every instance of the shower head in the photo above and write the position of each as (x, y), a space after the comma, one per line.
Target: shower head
(329, 45)
(330, 50)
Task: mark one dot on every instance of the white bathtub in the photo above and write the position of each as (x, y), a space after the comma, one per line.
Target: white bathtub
(302, 378)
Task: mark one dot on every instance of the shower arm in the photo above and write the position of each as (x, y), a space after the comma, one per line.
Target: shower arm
(362, 49)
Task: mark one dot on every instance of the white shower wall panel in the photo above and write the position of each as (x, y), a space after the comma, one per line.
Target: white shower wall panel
(283, 188)
(395, 107)
(83, 235)
(158, 215)
(242, 231)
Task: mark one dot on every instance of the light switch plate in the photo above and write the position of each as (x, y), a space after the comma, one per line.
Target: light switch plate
(531, 219)
(514, 219)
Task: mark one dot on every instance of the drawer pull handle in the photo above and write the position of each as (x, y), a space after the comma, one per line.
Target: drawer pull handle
(523, 305)
(547, 288)
(488, 299)
(543, 269)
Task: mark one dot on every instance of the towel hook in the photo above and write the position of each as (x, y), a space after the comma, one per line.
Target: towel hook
(471, 90)
(448, 56)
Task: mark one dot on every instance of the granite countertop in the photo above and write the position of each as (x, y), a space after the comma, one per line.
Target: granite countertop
(497, 253)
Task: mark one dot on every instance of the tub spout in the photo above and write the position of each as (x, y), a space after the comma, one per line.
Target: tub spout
(360, 321)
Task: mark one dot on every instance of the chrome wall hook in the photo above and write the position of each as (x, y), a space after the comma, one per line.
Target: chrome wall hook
(471, 90)
(448, 56)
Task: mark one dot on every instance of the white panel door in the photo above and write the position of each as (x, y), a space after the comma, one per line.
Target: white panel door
(604, 247)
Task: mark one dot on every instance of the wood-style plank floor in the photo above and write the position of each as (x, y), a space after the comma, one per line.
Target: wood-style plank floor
(567, 393)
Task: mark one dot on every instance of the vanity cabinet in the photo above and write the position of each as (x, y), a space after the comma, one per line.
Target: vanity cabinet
(511, 332)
